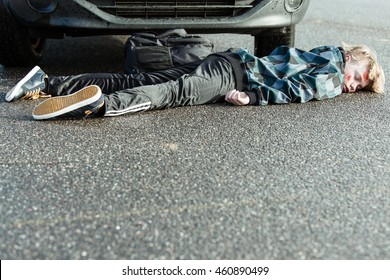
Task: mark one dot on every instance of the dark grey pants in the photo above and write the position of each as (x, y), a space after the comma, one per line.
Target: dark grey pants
(109, 82)
(194, 84)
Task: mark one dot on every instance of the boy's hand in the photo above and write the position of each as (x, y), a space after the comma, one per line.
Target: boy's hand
(237, 97)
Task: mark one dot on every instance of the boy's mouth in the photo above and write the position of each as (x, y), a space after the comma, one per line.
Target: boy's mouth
(345, 89)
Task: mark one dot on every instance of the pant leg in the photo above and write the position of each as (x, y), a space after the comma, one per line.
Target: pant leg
(108, 82)
(208, 83)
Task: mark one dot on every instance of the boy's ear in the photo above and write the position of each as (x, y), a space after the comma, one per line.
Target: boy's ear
(348, 57)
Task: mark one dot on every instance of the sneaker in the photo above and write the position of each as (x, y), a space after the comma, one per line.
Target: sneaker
(83, 103)
(30, 87)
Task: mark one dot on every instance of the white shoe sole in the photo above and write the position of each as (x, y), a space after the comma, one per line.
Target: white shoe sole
(11, 94)
(57, 106)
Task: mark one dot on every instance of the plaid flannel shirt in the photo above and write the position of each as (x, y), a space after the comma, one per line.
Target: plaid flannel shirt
(293, 75)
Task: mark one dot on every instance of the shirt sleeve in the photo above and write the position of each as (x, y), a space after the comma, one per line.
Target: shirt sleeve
(318, 83)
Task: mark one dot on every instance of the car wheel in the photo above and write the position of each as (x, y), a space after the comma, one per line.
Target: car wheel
(17, 47)
(268, 40)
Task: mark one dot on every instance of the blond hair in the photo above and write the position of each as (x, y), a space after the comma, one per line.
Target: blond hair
(375, 71)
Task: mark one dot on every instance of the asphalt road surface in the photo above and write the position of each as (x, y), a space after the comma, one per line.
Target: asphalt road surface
(299, 181)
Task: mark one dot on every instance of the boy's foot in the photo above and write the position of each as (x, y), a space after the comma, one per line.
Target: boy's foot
(30, 87)
(83, 103)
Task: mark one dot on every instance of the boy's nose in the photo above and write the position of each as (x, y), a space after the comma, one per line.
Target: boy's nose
(352, 87)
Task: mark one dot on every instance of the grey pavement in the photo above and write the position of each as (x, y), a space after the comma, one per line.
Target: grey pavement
(299, 181)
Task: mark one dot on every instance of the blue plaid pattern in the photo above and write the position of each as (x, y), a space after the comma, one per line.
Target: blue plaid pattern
(293, 75)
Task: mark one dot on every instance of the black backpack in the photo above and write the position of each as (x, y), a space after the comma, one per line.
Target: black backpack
(146, 52)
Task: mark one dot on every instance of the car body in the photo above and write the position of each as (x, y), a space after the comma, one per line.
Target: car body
(25, 24)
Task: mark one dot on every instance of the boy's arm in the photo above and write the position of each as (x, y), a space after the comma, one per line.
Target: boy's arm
(299, 88)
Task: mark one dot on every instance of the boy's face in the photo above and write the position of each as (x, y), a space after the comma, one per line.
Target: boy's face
(355, 75)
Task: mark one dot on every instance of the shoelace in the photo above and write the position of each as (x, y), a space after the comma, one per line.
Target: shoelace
(35, 94)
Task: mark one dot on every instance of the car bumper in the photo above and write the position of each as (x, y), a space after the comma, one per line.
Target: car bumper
(81, 18)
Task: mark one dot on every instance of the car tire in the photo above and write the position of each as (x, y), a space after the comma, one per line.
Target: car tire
(268, 40)
(17, 47)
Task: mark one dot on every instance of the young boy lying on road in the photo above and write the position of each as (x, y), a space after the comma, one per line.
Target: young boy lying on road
(235, 76)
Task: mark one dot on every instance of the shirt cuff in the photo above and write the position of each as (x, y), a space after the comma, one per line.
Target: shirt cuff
(253, 98)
